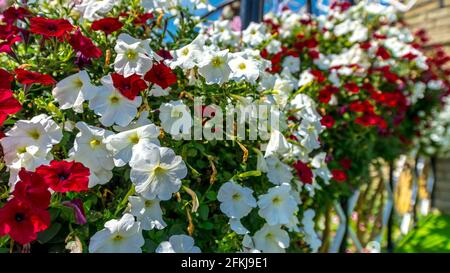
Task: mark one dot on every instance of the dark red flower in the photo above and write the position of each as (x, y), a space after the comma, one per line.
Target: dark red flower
(5, 79)
(130, 86)
(9, 35)
(327, 121)
(50, 27)
(107, 25)
(352, 87)
(143, 18)
(8, 104)
(12, 14)
(22, 221)
(161, 75)
(28, 77)
(64, 176)
(84, 45)
(383, 53)
(361, 107)
(339, 175)
(318, 75)
(165, 54)
(346, 163)
(304, 173)
(32, 189)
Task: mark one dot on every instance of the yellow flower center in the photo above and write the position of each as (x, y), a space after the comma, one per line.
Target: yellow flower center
(269, 235)
(21, 150)
(94, 143)
(118, 237)
(276, 200)
(34, 134)
(131, 54)
(236, 197)
(242, 66)
(148, 203)
(78, 83)
(185, 51)
(114, 99)
(134, 139)
(158, 170)
(217, 61)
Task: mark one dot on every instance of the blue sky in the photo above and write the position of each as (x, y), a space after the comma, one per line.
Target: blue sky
(268, 5)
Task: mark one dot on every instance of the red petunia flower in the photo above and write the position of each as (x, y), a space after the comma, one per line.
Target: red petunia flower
(64, 176)
(9, 35)
(327, 121)
(12, 14)
(28, 77)
(32, 189)
(50, 27)
(22, 221)
(383, 53)
(84, 45)
(130, 86)
(5, 79)
(346, 163)
(351, 87)
(8, 104)
(107, 25)
(165, 54)
(318, 75)
(304, 173)
(143, 18)
(339, 175)
(161, 75)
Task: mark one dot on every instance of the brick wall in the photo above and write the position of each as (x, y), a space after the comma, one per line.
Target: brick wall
(434, 17)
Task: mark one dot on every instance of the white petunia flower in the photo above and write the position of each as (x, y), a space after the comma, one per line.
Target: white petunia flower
(271, 239)
(309, 132)
(90, 149)
(236, 202)
(292, 63)
(273, 47)
(157, 172)
(72, 91)
(175, 118)
(94, 9)
(254, 34)
(278, 145)
(31, 158)
(112, 106)
(134, 56)
(311, 237)
(277, 205)
(214, 68)
(243, 69)
(41, 131)
(141, 121)
(282, 90)
(127, 145)
(320, 167)
(118, 236)
(188, 56)
(178, 244)
(148, 212)
(277, 171)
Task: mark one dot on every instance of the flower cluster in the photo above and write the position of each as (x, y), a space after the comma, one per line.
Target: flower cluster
(99, 134)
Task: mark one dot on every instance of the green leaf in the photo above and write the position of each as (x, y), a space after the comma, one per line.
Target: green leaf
(211, 195)
(203, 211)
(249, 174)
(48, 234)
